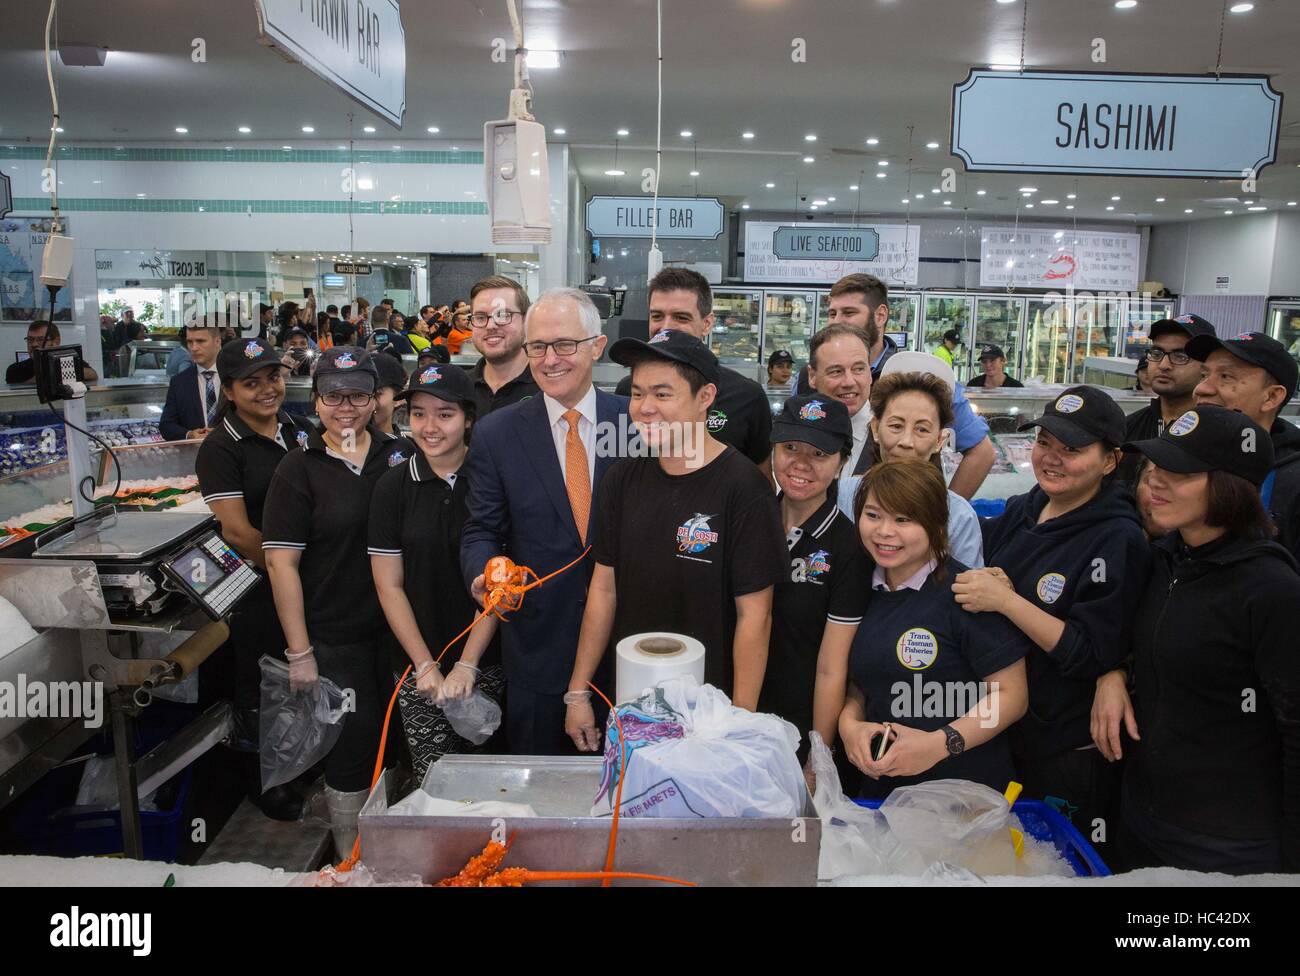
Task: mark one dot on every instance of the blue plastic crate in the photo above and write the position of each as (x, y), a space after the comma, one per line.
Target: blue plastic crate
(1046, 823)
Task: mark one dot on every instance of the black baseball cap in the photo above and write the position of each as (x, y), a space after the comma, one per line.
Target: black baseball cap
(821, 421)
(345, 368)
(295, 331)
(1254, 348)
(780, 356)
(992, 352)
(1143, 363)
(1082, 415)
(1186, 325)
(1211, 438)
(450, 383)
(952, 335)
(244, 357)
(390, 370)
(671, 345)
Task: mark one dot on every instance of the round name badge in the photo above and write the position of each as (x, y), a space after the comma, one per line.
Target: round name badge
(917, 649)
(1185, 424)
(1069, 403)
(1050, 587)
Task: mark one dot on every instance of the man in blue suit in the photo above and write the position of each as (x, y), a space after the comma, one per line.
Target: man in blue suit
(194, 395)
(534, 473)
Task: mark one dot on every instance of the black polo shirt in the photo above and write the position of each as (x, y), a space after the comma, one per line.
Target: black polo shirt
(319, 505)
(1008, 382)
(416, 515)
(24, 372)
(521, 387)
(912, 654)
(1141, 425)
(235, 462)
(827, 578)
(740, 416)
(683, 547)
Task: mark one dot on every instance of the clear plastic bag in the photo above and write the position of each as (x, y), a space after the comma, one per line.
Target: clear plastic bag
(691, 753)
(474, 717)
(297, 728)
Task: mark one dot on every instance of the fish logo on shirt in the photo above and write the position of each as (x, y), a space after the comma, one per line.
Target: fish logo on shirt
(1050, 587)
(694, 535)
(812, 410)
(431, 375)
(396, 458)
(252, 350)
(302, 439)
(819, 562)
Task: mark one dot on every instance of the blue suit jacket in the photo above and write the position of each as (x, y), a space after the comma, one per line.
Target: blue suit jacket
(183, 410)
(519, 507)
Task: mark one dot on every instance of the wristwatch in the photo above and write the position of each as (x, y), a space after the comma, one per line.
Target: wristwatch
(956, 742)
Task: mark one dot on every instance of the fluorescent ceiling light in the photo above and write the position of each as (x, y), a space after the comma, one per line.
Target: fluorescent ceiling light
(1029, 189)
(881, 175)
(747, 135)
(1004, 67)
(622, 132)
(769, 185)
(1125, 4)
(369, 128)
(615, 172)
(433, 129)
(744, 206)
(853, 186)
(542, 59)
(245, 129)
(873, 141)
(810, 137)
(931, 145)
(807, 159)
(695, 172)
(980, 193)
(1241, 8)
(560, 132)
(882, 162)
(308, 129)
(1257, 209)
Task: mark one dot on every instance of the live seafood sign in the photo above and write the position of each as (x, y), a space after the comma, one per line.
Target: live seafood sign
(1061, 259)
(1115, 124)
(818, 253)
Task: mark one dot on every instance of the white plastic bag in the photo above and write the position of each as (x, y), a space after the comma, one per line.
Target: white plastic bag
(297, 728)
(691, 753)
(474, 717)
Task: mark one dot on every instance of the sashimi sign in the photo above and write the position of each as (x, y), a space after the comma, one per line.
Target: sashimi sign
(358, 46)
(1116, 124)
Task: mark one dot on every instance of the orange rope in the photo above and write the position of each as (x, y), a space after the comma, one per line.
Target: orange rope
(349, 862)
(618, 793)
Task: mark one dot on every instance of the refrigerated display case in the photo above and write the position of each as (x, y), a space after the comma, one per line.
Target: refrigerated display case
(1284, 323)
(789, 318)
(1137, 319)
(904, 312)
(1097, 323)
(1048, 341)
(950, 312)
(998, 322)
(736, 325)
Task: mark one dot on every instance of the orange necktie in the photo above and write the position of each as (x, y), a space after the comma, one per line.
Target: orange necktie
(577, 478)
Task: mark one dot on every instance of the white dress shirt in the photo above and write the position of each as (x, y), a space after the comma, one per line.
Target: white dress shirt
(848, 483)
(586, 429)
(203, 386)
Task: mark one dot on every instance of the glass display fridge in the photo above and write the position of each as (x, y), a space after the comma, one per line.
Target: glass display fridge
(1284, 323)
(904, 312)
(998, 322)
(736, 324)
(1097, 323)
(950, 312)
(1048, 338)
(789, 318)
(1135, 325)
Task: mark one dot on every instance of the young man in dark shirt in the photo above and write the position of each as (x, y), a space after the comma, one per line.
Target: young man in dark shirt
(502, 376)
(994, 363)
(687, 540)
(740, 414)
(1173, 376)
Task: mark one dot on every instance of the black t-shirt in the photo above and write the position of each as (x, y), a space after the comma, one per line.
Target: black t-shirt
(235, 462)
(740, 416)
(827, 579)
(918, 658)
(318, 505)
(24, 372)
(1008, 382)
(683, 547)
(418, 516)
(521, 387)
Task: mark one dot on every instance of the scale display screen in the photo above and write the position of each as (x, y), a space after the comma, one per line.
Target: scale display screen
(212, 574)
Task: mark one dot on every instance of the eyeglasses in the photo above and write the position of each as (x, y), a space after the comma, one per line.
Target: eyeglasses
(1178, 358)
(562, 347)
(502, 316)
(336, 399)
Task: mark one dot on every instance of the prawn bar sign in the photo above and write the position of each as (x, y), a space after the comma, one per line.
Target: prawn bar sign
(1059, 259)
(358, 46)
(1116, 124)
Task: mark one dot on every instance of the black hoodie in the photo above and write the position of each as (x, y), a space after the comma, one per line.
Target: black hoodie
(1216, 663)
(1284, 505)
(1088, 568)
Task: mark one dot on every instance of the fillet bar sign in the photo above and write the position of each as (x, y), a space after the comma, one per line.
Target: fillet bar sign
(693, 218)
(358, 46)
(1115, 124)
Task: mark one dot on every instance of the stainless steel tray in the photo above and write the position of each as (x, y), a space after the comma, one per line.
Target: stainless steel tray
(563, 837)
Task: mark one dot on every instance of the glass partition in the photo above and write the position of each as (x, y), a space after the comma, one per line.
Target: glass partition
(997, 323)
(1047, 342)
(1136, 326)
(735, 325)
(788, 319)
(1284, 326)
(1097, 323)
